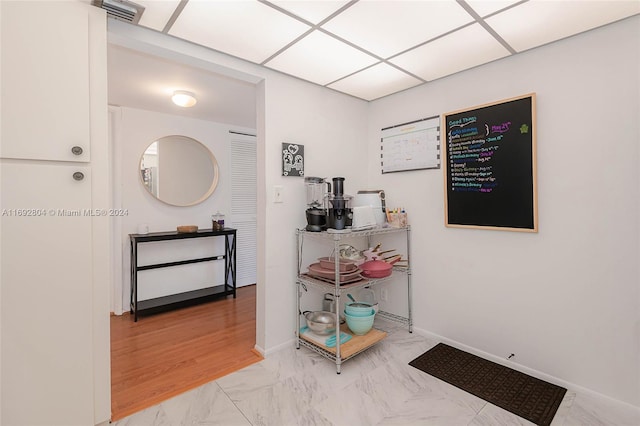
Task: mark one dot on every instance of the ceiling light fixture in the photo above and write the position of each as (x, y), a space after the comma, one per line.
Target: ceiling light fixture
(183, 98)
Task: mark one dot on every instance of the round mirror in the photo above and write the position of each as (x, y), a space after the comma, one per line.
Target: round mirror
(179, 170)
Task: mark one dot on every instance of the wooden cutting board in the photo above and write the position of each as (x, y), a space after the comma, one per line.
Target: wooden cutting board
(356, 344)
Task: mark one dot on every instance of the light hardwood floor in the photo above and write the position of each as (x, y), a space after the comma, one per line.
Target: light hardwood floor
(166, 354)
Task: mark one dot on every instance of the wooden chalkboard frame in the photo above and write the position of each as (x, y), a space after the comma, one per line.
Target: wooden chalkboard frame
(498, 189)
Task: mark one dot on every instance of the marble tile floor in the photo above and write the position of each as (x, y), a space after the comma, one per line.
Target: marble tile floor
(376, 387)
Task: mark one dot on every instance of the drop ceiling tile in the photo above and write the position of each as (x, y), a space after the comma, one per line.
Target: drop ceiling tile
(536, 22)
(321, 59)
(375, 82)
(463, 49)
(386, 28)
(156, 13)
(485, 7)
(246, 29)
(312, 11)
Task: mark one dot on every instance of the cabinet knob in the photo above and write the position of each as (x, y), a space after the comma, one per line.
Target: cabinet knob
(77, 150)
(78, 175)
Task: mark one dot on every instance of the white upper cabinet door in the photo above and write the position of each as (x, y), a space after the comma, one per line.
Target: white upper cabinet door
(45, 80)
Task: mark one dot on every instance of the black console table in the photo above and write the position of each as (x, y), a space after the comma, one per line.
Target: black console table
(190, 297)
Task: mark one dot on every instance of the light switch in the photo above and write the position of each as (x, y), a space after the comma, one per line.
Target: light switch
(277, 193)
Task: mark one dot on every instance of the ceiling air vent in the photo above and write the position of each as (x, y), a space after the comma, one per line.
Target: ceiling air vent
(122, 10)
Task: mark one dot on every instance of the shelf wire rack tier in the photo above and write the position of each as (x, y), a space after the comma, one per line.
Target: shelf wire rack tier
(303, 281)
(394, 317)
(349, 234)
(324, 284)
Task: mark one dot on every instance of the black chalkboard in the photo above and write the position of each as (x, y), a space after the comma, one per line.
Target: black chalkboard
(490, 170)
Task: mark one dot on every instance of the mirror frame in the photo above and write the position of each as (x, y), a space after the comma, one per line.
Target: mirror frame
(214, 163)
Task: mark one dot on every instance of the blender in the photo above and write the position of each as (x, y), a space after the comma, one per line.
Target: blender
(316, 210)
(339, 213)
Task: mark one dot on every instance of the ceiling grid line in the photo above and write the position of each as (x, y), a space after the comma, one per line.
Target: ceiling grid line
(438, 37)
(286, 47)
(174, 16)
(489, 15)
(313, 26)
(347, 42)
(372, 49)
(486, 26)
(382, 61)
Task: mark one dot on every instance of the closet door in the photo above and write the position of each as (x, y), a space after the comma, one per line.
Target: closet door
(244, 205)
(47, 369)
(45, 80)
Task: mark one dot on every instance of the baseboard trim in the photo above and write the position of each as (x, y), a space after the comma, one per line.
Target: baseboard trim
(278, 348)
(259, 350)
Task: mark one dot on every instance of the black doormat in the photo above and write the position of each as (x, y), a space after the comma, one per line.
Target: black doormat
(530, 398)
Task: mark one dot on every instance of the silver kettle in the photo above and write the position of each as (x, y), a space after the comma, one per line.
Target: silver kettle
(329, 303)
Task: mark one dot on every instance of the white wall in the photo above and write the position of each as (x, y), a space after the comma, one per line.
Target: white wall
(331, 126)
(135, 129)
(566, 300)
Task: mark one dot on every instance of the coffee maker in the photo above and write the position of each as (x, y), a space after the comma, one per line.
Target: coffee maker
(316, 212)
(339, 213)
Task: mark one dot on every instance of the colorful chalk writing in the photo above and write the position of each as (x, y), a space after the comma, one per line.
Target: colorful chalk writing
(468, 149)
(489, 165)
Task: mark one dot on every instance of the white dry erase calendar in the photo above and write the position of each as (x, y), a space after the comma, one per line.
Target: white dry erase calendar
(411, 146)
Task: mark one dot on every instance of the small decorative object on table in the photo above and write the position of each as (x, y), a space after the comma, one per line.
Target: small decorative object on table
(187, 228)
(217, 221)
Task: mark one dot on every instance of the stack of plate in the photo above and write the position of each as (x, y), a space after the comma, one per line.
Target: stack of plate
(325, 268)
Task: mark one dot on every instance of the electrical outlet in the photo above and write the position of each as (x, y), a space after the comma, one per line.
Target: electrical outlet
(277, 193)
(383, 294)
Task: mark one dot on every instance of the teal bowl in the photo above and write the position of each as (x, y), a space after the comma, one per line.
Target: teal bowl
(359, 309)
(360, 325)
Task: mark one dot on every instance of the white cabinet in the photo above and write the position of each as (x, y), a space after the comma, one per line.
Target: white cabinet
(46, 295)
(45, 80)
(332, 242)
(54, 258)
